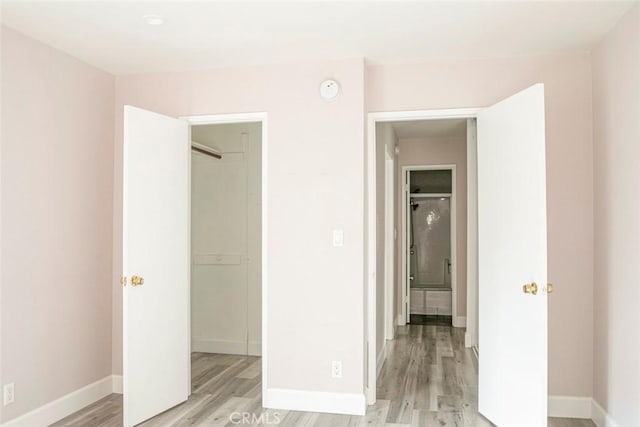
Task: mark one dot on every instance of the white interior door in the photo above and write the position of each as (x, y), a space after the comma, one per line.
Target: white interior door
(156, 365)
(407, 249)
(512, 252)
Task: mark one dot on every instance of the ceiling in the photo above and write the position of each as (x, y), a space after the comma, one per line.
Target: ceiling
(445, 128)
(112, 35)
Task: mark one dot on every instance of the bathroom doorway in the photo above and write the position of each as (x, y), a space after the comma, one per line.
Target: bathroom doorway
(429, 243)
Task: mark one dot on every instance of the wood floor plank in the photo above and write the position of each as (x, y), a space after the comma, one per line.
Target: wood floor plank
(429, 379)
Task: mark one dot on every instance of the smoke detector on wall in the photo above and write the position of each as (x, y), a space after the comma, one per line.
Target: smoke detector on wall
(329, 89)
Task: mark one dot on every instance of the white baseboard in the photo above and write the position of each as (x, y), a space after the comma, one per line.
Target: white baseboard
(215, 346)
(66, 405)
(600, 417)
(116, 381)
(579, 407)
(459, 321)
(468, 341)
(255, 348)
(382, 356)
(315, 401)
(569, 407)
(401, 320)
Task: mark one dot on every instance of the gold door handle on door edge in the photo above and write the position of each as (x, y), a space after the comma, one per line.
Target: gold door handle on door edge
(549, 288)
(527, 289)
(137, 281)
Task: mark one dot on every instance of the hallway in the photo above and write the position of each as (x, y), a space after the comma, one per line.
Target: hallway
(429, 379)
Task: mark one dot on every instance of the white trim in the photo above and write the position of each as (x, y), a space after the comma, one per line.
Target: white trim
(369, 385)
(600, 417)
(429, 195)
(254, 348)
(471, 337)
(569, 407)
(315, 401)
(400, 321)
(389, 245)
(116, 384)
(403, 116)
(212, 119)
(66, 405)
(244, 118)
(382, 356)
(404, 305)
(459, 321)
(251, 348)
(219, 346)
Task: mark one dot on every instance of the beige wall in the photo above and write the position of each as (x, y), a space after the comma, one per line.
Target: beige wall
(567, 80)
(57, 166)
(616, 131)
(289, 94)
(438, 151)
(315, 179)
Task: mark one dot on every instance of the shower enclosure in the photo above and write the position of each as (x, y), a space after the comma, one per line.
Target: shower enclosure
(428, 257)
(430, 241)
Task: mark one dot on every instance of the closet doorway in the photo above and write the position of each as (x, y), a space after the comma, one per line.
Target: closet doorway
(226, 238)
(174, 328)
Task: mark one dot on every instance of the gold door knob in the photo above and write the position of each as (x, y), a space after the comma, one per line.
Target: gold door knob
(549, 288)
(527, 289)
(137, 281)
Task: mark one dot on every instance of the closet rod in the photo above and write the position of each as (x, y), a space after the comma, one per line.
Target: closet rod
(200, 148)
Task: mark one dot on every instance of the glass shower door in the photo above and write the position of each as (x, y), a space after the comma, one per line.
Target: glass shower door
(430, 242)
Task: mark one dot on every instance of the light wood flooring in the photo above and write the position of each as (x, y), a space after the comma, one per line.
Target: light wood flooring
(429, 379)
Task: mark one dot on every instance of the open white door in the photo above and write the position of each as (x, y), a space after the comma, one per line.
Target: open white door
(408, 249)
(512, 252)
(156, 365)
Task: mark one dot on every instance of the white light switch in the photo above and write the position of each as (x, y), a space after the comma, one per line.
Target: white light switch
(338, 238)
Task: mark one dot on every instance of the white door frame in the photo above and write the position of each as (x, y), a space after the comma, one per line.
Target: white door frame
(370, 209)
(406, 287)
(389, 244)
(216, 119)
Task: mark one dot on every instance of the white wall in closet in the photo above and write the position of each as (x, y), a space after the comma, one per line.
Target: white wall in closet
(226, 243)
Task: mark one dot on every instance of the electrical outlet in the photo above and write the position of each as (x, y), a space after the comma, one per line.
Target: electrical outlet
(8, 395)
(336, 369)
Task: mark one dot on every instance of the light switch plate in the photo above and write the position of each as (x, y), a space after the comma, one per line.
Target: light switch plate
(338, 238)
